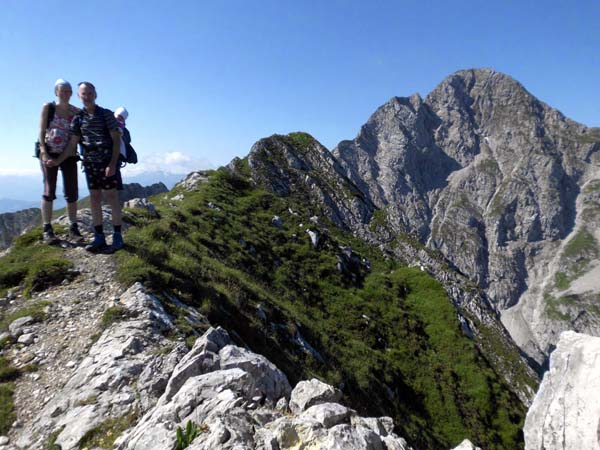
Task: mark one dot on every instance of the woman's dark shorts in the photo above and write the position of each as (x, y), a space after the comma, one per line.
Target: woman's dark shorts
(94, 165)
(69, 174)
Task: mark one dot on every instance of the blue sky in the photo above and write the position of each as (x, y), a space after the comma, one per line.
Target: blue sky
(204, 80)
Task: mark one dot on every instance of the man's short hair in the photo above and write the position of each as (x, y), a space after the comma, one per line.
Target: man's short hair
(87, 83)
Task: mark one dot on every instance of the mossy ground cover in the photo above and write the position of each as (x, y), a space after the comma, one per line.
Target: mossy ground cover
(32, 265)
(388, 335)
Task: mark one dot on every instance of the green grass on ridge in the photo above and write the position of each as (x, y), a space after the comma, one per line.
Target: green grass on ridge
(389, 336)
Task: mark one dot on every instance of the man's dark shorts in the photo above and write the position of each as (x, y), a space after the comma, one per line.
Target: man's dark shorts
(94, 166)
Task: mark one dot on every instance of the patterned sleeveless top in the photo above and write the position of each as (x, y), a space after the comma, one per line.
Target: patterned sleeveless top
(58, 132)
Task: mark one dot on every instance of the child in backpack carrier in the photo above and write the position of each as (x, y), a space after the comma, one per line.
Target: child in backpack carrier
(128, 154)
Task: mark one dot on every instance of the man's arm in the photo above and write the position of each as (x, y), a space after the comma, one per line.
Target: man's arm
(116, 151)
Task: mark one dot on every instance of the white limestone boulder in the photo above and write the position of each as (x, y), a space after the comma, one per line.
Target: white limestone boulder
(565, 413)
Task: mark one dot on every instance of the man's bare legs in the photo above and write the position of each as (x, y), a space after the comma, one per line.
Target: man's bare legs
(99, 243)
(96, 206)
(112, 197)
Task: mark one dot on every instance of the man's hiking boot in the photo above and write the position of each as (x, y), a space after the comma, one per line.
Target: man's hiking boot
(75, 234)
(117, 242)
(49, 237)
(98, 244)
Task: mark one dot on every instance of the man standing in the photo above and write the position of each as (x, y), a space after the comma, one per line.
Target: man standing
(96, 129)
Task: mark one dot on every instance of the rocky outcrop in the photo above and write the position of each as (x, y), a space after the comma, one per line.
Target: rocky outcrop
(192, 180)
(565, 413)
(13, 224)
(238, 399)
(136, 190)
(500, 183)
(297, 163)
(466, 445)
(101, 388)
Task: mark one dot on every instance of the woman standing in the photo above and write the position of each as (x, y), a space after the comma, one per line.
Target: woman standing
(54, 138)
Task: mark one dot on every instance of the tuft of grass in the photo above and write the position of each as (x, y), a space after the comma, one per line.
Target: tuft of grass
(7, 371)
(300, 140)
(7, 410)
(51, 442)
(114, 314)
(32, 265)
(553, 310)
(9, 374)
(561, 281)
(91, 400)
(105, 434)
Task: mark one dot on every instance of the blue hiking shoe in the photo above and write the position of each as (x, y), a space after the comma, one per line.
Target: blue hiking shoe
(98, 244)
(117, 242)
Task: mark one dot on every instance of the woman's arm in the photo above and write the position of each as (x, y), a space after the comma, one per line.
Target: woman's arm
(42, 136)
(71, 150)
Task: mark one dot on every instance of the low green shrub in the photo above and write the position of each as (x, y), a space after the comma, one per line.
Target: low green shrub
(187, 435)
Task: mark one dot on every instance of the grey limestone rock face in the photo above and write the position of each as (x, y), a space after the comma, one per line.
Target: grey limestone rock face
(142, 203)
(238, 399)
(13, 224)
(135, 190)
(497, 181)
(565, 413)
(287, 165)
(329, 414)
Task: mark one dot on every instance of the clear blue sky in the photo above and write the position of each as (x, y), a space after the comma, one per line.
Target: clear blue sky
(204, 80)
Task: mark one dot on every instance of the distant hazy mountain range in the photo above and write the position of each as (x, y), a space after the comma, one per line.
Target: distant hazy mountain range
(12, 205)
(12, 224)
(19, 192)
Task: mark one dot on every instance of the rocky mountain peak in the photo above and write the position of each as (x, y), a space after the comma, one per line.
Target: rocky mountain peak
(490, 176)
(479, 82)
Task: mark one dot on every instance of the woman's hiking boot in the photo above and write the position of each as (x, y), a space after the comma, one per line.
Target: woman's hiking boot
(117, 242)
(98, 244)
(75, 234)
(49, 237)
